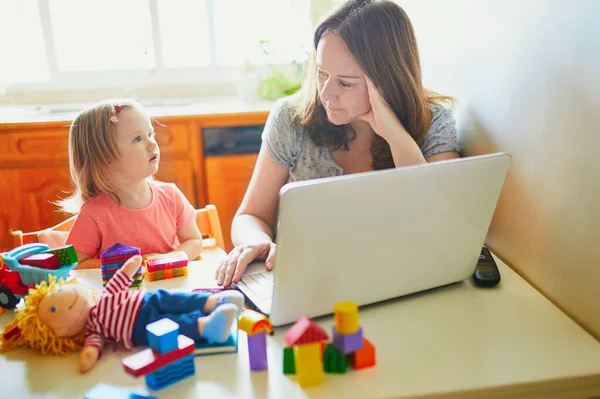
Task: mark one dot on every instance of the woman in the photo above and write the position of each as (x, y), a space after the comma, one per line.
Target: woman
(362, 108)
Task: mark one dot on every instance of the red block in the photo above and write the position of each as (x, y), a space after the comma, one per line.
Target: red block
(147, 361)
(364, 357)
(305, 331)
(43, 260)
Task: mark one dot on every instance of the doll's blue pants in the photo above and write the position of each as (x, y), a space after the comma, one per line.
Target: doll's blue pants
(184, 308)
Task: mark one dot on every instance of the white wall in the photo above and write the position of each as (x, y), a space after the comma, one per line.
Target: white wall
(527, 76)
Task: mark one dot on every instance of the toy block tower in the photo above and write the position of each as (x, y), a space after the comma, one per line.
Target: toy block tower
(348, 340)
(114, 257)
(256, 326)
(166, 266)
(169, 359)
(305, 338)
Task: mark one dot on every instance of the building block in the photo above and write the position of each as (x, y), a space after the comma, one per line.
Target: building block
(147, 361)
(253, 322)
(288, 361)
(166, 274)
(348, 343)
(43, 260)
(304, 331)
(257, 351)
(171, 373)
(66, 255)
(308, 364)
(111, 264)
(119, 249)
(334, 361)
(167, 261)
(162, 335)
(364, 357)
(104, 391)
(346, 317)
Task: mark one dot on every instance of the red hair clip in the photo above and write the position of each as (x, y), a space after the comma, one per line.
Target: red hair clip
(117, 108)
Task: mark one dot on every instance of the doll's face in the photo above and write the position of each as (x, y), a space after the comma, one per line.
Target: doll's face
(66, 310)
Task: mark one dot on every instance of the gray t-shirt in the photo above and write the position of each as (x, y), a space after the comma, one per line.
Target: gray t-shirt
(292, 148)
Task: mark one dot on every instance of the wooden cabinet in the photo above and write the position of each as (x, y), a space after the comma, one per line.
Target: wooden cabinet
(227, 178)
(230, 154)
(34, 169)
(181, 158)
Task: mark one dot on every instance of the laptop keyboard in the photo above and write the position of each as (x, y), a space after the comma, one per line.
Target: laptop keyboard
(260, 284)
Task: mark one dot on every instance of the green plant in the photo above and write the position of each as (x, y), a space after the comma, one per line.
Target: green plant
(282, 79)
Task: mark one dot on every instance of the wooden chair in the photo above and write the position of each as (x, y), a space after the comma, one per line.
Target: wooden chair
(20, 238)
(210, 226)
(206, 218)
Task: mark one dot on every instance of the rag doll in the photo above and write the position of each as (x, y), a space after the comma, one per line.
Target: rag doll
(61, 317)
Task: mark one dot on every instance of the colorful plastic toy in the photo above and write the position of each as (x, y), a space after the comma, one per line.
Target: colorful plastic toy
(66, 255)
(257, 351)
(256, 326)
(309, 354)
(16, 279)
(363, 358)
(348, 343)
(253, 322)
(162, 335)
(346, 317)
(166, 266)
(114, 257)
(305, 331)
(43, 260)
(334, 361)
(163, 369)
(288, 361)
(308, 364)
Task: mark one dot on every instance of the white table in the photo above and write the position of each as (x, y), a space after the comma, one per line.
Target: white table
(459, 341)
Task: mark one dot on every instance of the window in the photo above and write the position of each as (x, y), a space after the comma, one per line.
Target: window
(83, 44)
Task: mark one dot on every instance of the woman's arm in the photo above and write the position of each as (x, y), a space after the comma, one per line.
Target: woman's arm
(254, 225)
(256, 219)
(405, 151)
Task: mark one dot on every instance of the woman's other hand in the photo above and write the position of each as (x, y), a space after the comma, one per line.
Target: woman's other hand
(381, 117)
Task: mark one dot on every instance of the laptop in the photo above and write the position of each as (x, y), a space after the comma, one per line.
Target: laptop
(374, 236)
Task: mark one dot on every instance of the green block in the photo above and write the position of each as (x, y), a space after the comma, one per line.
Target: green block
(288, 361)
(66, 255)
(334, 361)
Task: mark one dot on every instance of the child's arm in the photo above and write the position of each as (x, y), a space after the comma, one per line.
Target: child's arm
(190, 239)
(86, 261)
(53, 238)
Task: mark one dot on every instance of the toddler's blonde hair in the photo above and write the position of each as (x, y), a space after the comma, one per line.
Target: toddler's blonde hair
(92, 148)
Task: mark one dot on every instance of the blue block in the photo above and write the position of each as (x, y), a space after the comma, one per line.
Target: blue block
(103, 391)
(171, 373)
(162, 335)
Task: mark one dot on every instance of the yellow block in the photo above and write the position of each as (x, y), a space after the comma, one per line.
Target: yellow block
(253, 322)
(309, 364)
(346, 317)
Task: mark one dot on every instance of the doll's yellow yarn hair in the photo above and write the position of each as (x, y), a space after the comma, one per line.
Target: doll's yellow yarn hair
(34, 333)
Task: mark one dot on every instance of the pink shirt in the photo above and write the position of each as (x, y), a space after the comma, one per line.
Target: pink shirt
(113, 316)
(102, 222)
